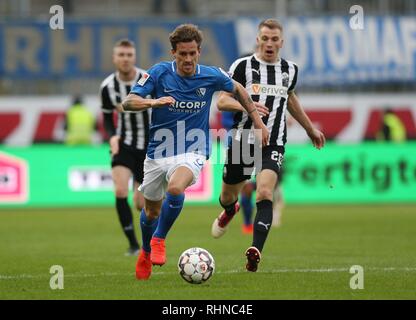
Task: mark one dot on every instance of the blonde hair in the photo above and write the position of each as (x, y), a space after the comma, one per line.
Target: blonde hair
(124, 43)
(271, 24)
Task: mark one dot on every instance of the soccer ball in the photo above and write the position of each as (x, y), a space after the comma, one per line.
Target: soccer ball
(196, 265)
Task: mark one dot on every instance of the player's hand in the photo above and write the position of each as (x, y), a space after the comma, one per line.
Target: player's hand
(264, 138)
(163, 101)
(261, 109)
(265, 134)
(119, 107)
(114, 144)
(317, 138)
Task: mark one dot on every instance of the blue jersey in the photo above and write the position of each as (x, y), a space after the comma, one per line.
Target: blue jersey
(183, 127)
(227, 119)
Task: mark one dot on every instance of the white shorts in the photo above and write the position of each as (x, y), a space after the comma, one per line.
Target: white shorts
(157, 173)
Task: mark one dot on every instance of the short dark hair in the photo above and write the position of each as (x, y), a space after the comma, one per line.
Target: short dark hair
(271, 24)
(185, 33)
(76, 99)
(125, 43)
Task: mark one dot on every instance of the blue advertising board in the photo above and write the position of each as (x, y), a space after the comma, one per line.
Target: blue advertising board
(83, 48)
(327, 50)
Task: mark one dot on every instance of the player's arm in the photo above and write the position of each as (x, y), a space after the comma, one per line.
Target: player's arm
(111, 132)
(297, 112)
(247, 103)
(134, 102)
(108, 109)
(138, 98)
(227, 102)
(109, 127)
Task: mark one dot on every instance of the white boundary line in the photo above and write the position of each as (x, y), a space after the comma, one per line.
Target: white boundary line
(115, 274)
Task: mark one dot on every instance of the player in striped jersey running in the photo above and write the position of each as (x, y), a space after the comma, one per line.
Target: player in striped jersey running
(129, 139)
(271, 81)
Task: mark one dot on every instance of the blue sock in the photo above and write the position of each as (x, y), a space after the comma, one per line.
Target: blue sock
(171, 207)
(247, 209)
(148, 228)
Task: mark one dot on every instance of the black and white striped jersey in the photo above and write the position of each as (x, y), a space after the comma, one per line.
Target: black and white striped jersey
(269, 84)
(132, 127)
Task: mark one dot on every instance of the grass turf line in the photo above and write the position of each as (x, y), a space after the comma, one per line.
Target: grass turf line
(307, 258)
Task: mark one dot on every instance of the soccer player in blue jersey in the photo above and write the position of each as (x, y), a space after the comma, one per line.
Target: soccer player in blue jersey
(181, 92)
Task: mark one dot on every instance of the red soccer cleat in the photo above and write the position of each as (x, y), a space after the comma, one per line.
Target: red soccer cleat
(247, 229)
(158, 253)
(220, 223)
(143, 266)
(253, 259)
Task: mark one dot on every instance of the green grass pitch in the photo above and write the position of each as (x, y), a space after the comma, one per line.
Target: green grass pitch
(308, 257)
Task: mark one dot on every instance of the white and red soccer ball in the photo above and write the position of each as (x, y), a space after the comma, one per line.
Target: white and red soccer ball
(196, 265)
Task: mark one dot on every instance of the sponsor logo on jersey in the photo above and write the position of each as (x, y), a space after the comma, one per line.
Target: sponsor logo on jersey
(143, 79)
(285, 79)
(188, 106)
(270, 90)
(256, 71)
(201, 92)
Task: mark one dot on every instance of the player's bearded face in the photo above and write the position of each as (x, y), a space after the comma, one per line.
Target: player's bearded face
(186, 56)
(269, 42)
(124, 58)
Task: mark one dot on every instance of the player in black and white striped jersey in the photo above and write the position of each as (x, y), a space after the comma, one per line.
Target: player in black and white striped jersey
(271, 80)
(269, 84)
(128, 139)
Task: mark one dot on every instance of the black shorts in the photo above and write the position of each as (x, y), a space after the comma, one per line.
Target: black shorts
(132, 159)
(272, 158)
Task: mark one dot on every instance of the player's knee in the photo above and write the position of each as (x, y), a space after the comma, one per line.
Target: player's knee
(138, 203)
(175, 190)
(228, 196)
(247, 191)
(264, 194)
(138, 200)
(151, 212)
(121, 192)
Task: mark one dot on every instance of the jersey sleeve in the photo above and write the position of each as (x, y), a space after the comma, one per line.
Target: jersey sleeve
(238, 71)
(147, 83)
(225, 83)
(227, 119)
(294, 80)
(109, 126)
(106, 103)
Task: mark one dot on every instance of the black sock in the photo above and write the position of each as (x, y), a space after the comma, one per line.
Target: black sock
(229, 208)
(126, 219)
(262, 223)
